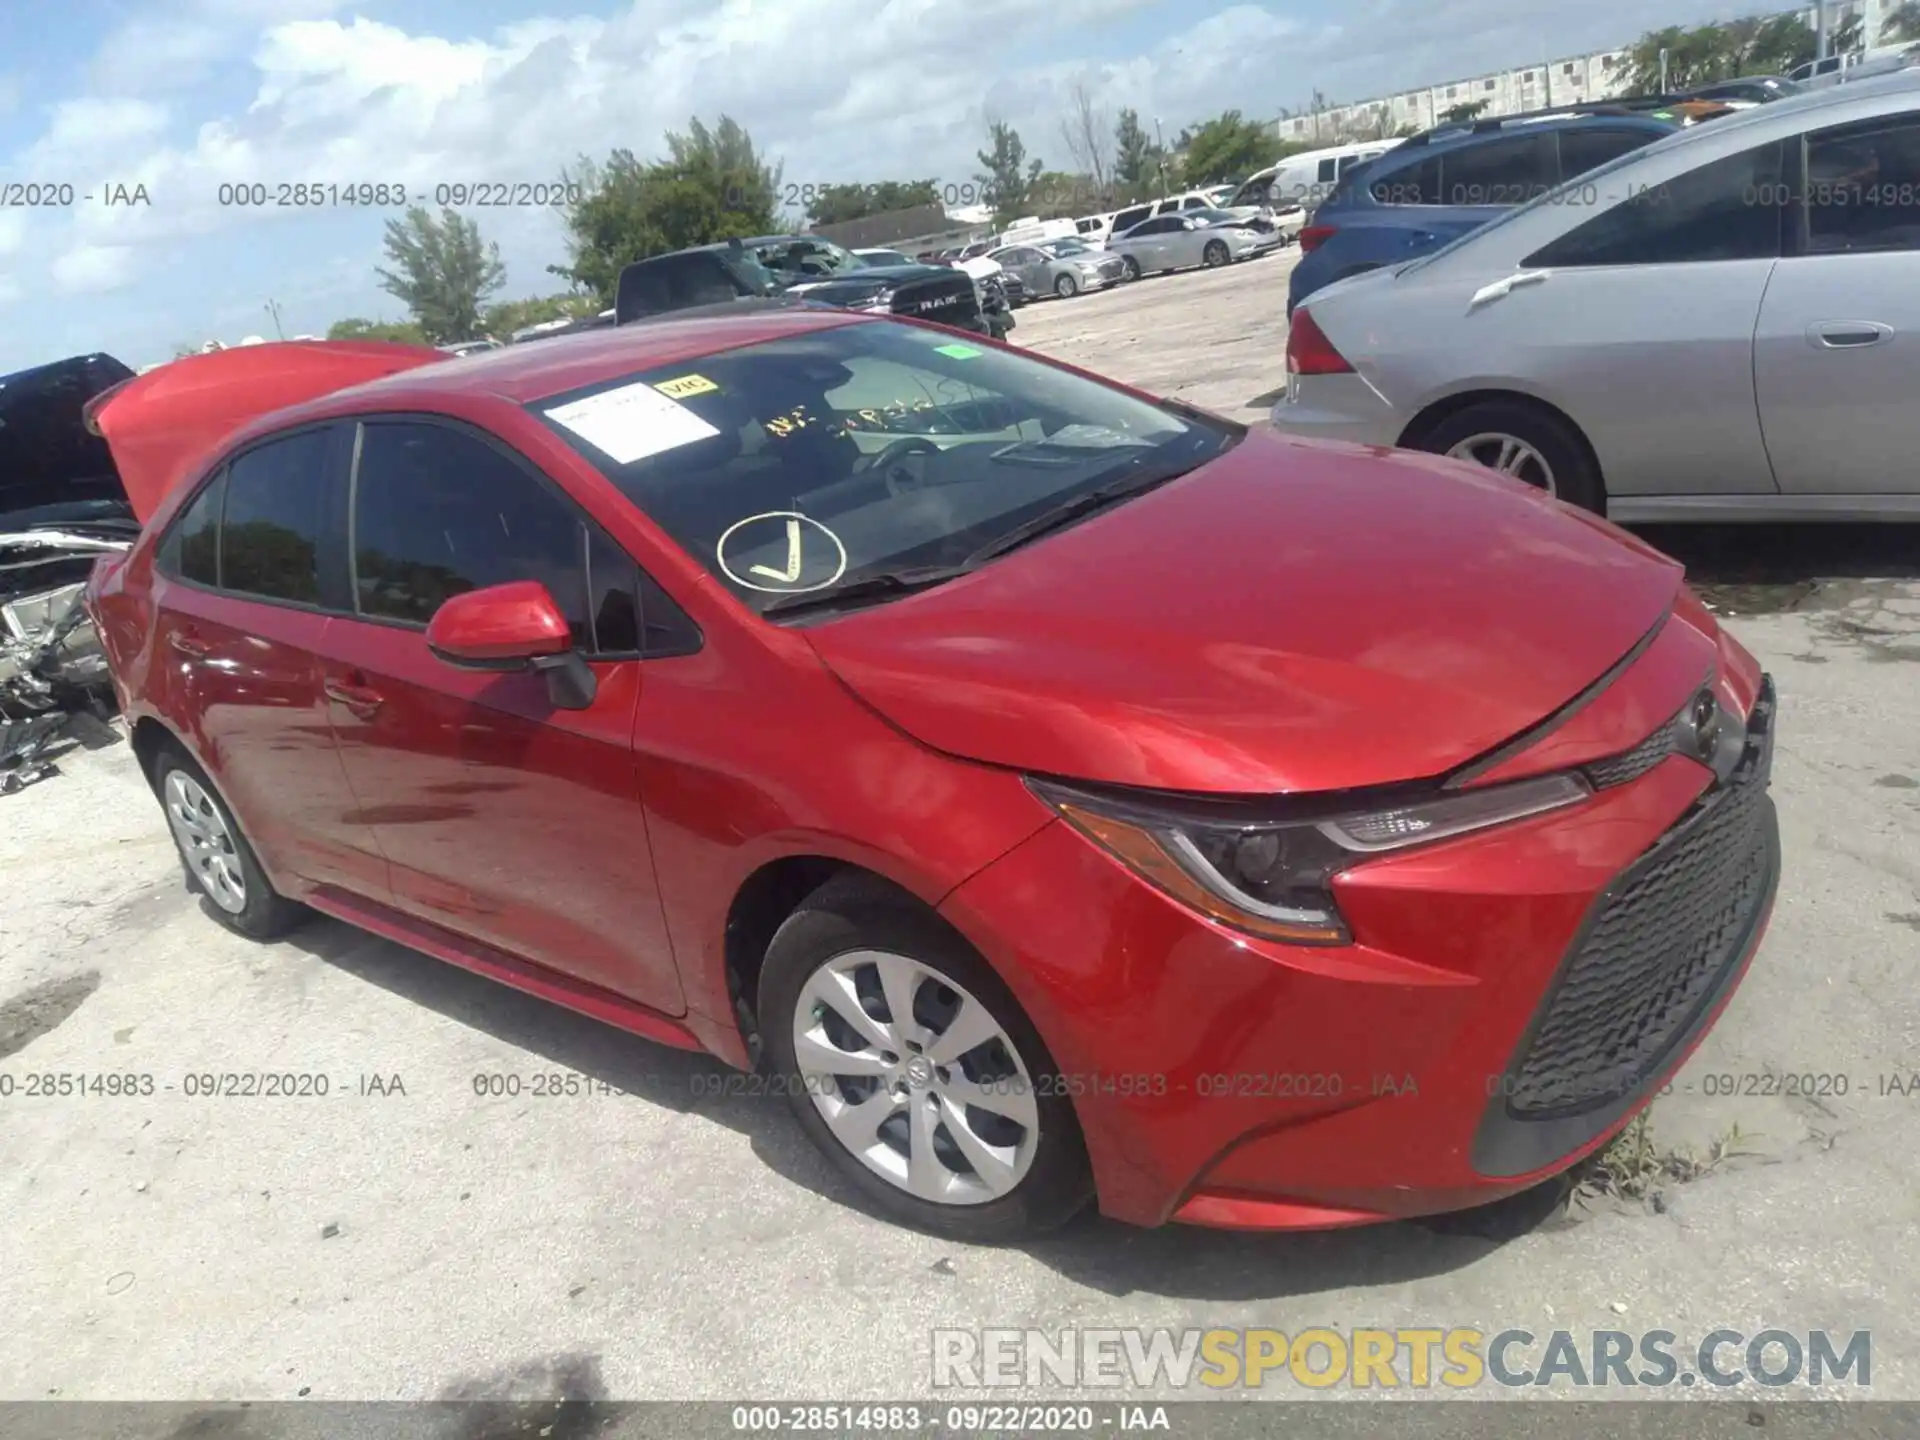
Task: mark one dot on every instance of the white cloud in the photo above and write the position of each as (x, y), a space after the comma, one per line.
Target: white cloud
(93, 268)
(837, 90)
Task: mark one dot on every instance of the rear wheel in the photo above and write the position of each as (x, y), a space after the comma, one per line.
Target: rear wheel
(1066, 287)
(912, 1067)
(1526, 443)
(1215, 253)
(219, 862)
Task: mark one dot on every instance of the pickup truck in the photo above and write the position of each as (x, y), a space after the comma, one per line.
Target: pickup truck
(803, 268)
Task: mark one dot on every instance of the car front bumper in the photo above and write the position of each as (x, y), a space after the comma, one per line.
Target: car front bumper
(1511, 1000)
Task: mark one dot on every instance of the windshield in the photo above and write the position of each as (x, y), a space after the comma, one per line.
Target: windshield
(808, 463)
(1059, 248)
(809, 256)
(1215, 217)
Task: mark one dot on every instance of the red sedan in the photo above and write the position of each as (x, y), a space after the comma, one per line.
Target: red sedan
(1059, 793)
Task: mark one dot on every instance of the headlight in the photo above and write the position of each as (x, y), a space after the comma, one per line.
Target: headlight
(1272, 878)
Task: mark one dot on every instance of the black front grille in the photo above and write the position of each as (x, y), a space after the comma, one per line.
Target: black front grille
(1656, 951)
(947, 301)
(1632, 764)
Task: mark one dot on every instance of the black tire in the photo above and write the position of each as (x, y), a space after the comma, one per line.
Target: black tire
(855, 913)
(1576, 478)
(1129, 268)
(1066, 287)
(266, 913)
(1215, 254)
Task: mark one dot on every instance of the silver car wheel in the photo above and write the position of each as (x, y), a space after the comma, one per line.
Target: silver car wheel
(1508, 454)
(206, 843)
(941, 1107)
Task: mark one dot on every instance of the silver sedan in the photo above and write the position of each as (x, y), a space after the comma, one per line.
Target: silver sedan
(1064, 272)
(1724, 325)
(1177, 242)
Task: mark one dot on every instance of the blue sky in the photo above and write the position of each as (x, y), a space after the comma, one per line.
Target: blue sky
(184, 96)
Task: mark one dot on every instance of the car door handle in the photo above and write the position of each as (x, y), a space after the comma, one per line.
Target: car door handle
(1848, 334)
(189, 645)
(363, 703)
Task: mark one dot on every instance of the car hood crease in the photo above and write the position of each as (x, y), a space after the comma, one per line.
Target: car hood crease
(1295, 616)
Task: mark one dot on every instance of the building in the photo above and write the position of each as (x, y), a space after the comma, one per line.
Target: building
(1601, 75)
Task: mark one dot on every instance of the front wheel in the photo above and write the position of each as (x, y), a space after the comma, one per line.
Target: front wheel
(911, 1066)
(1129, 268)
(1066, 287)
(1215, 254)
(1525, 443)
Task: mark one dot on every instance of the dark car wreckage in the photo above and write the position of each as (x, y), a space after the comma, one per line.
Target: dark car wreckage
(61, 506)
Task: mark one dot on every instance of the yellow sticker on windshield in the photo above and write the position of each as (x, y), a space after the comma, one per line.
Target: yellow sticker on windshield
(957, 352)
(686, 385)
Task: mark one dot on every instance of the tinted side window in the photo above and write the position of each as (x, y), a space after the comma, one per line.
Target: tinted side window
(1718, 211)
(1325, 174)
(438, 511)
(1409, 185)
(191, 550)
(276, 518)
(1508, 171)
(1583, 149)
(1863, 189)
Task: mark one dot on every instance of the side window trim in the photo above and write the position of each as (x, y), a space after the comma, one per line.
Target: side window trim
(164, 561)
(589, 528)
(327, 551)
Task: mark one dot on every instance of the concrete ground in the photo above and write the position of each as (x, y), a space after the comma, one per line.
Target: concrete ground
(407, 1237)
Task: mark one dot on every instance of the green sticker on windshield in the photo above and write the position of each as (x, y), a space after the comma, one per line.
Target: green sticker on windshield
(957, 352)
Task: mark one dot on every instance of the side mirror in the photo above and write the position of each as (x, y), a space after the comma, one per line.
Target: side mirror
(511, 627)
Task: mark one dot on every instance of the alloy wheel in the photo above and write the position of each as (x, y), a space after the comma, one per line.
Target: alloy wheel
(205, 841)
(1508, 454)
(1215, 253)
(1066, 287)
(916, 1078)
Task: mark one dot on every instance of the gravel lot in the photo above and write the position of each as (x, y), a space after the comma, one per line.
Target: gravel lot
(661, 1243)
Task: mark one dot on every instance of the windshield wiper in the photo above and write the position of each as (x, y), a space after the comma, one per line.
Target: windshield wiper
(879, 585)
(1136, 482)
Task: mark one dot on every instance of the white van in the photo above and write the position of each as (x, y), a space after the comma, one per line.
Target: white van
(1035, 231)
(1095, 230)
(1309, 178)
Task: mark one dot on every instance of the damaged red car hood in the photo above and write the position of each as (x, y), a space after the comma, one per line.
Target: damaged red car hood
(1295, 616)
(161, 426)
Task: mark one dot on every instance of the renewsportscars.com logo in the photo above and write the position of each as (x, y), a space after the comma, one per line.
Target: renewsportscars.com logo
(1458, 1358)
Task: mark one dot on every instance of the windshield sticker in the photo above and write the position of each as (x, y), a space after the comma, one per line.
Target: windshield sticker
(632, 422)
(957, 352)
(686, 385)
(781, 552)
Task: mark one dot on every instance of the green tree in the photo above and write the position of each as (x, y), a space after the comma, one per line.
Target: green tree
(442, 272)
(1224, 147)
(1460, 114)
(1754, 45)
(1135, 160)
(508, 316)
(1007, 174)
(837, 204)
(406, 332)
(713, 185)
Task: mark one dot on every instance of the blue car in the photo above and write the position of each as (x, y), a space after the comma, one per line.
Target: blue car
(1436, 186)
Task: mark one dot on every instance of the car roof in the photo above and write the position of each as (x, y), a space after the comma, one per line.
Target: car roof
(1443, 140)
